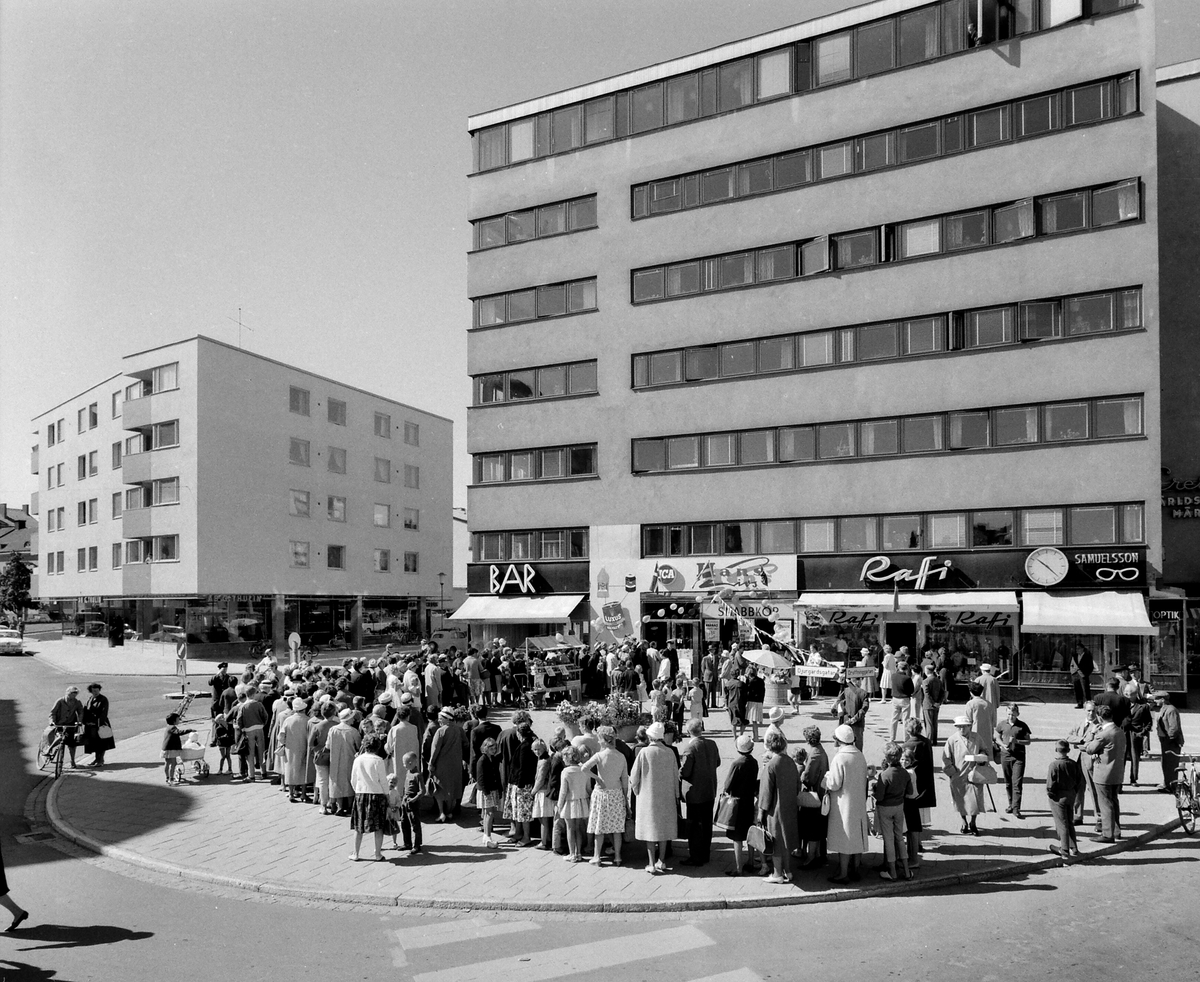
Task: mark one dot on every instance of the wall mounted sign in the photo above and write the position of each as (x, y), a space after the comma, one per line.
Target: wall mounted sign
(527, 579)
(930, 574)
(1182, 498)
(952, 620)
(752, 609)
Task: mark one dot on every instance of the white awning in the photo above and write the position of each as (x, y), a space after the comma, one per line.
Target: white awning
(982, 600)
(550, 609)
(1085, 613)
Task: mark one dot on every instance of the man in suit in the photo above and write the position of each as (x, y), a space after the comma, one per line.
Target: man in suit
(1112, 698)
(1108, 772)
(1081, 735)
(1081, 667)
(1170, 737)
(699, 760)
(933, 694)
(851, 706)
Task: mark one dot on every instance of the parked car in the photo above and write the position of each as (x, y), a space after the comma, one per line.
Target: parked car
(443, 639)
(10, 642)
(171, 634)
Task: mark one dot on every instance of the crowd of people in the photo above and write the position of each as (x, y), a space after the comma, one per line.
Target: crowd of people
(374, 741)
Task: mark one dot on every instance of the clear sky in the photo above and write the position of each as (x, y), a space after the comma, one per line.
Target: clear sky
(163, 164)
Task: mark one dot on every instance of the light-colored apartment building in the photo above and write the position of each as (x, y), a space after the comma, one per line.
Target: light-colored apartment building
(213, 493)
(846, 333)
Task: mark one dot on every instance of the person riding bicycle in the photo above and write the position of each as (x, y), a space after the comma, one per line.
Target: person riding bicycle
(68, 713)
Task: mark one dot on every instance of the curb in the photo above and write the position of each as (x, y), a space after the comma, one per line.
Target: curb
(44, 803)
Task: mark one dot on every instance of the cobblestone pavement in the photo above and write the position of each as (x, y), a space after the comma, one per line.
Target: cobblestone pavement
(225, 833)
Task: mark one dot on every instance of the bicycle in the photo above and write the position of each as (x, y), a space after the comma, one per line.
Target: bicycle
(1187, 793)
(53, 746)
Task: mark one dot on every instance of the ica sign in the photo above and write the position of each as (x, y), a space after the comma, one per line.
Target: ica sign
(510, 579)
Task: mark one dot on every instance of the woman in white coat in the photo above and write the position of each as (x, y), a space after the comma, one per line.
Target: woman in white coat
(889, 670)
(960, 755)
(846, 783)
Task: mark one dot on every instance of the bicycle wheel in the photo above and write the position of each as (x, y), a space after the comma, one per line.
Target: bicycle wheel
(44, 756)
(1186, 805)
(59, 752)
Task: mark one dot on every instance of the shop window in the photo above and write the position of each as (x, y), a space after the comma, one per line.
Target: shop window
(992, 528)
(901, 532)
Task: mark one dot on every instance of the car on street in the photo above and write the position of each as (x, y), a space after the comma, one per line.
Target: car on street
(444, 639)
(10, 642)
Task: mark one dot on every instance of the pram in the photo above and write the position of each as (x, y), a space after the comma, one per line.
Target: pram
(189, 753)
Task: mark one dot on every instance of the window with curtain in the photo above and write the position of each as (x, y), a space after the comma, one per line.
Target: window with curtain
(918, 36)
(492, 147)
(1041, 527)
(566, 128)
(683, 98)
(901, 532)
(859, 533)
(1064, 213)
(922, 238)
(817, 535)
(797, 443)
(1013, 222)
(967, 231)
(776, 264)
(776, 354)
(735, 85)
(1089, 315)
(720, 449)
(520, 140)
(836, 159)
(1041, 320)
(989, 327)
(879, 437)
(833, 59)
(924, 335)
(1015, 426)
(875, 48)
(1067, 421)
(683, 452)
(647, 105)
(777, 537)
(1116, 204)
(816, 349)
(775, 74)
(1118, 417)
(948, 531)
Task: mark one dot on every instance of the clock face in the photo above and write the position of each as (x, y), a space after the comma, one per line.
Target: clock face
(1046, 566)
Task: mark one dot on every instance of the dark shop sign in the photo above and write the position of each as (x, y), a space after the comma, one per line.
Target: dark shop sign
(520, 579)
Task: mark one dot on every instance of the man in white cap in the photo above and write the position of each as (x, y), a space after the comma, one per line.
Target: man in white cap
(990, 686)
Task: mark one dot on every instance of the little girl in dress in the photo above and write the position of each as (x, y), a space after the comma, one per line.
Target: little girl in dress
(543, 805)
(573, 806)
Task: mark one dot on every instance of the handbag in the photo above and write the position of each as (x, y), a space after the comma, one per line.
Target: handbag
(321, 757)
(825, 804)
(982, 774)
(104, 731)
(468, 795)
(759, 838)
(808, 799)
(726, 813)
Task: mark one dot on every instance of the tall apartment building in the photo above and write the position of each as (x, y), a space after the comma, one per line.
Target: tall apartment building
(212, 492)
(846, 333)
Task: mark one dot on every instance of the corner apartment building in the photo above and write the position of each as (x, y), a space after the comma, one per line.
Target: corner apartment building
(215, 493)
(846, 332)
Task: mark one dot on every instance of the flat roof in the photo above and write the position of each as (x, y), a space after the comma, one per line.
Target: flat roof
(78, 395)
(702, 59)
(1177, 72)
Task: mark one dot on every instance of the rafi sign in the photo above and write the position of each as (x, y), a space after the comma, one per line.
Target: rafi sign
(952, 620)
(816, 618)
(881, 570)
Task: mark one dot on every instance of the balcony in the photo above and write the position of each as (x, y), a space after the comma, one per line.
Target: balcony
(136, 579)
(140, 413)
(138, 523)
(33, 503)
(33, 461)
(139, 468)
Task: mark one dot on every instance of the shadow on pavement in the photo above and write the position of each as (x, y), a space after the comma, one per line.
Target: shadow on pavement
(76, 936)
(24, 972)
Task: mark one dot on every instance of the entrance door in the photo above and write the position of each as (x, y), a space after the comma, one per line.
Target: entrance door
(898, 635)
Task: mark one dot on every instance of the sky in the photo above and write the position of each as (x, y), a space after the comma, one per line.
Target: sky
(164, 165)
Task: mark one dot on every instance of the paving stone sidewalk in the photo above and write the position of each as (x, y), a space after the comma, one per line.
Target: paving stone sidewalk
(249, 835)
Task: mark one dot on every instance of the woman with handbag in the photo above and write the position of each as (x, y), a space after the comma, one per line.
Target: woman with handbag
(813, 821)
(846, 783)
(777, 789)
(97, 730)
(319, 725)
(735, 807)
(961, 759)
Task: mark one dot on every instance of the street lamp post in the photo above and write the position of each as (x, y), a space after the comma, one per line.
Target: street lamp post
(441, 601)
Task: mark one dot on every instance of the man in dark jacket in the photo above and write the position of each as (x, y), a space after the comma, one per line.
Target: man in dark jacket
(851, 706)
(700, 760)
(1108, 773)
(1063, 780)
(219, 683)
(1170, 737)
(1081, 667)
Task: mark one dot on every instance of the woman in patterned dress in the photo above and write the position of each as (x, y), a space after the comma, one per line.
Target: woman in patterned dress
(609, 795)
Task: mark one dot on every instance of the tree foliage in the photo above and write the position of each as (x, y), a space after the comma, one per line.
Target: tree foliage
(14, 587)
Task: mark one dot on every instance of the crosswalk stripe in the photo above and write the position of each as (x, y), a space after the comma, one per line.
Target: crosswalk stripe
(737, 975)
(454, 931)
(558, 962)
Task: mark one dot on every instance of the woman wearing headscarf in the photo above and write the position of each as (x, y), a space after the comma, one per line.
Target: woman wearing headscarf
(846, 783)
(322, 722)
(446, 765)
(777, 789)
(368, 777)
(655, 784)
(813, 824)
(293, 737)
(741, 784)
(342, 742)
(95, 715)
(960, 754)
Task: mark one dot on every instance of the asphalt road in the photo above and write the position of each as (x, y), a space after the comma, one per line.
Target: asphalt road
(1131, 917)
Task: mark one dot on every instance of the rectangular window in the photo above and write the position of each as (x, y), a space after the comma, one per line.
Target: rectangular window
(877, 341)
(1118, 417)
(817, 535)
(489, 546)
(492, 468)
(989, 327)
(489, 311)
(967, 231)
(704, 540)
(1129, 309)
(522, 306)
(582, 377)
(165, 435)
(648, 285)
(776, 537)
(923, 238)
(1013, 222)
(336, 410)
(992, 528)
(520, 385)
(116, 556)
(412, 519)
(520, 140)
(553, 544)
(901, 532)
(1037, 115)
(683, 98)
(335, 557)
(299, 554)
(165, 377)
(93, 508)
(836, 440)
(1093, 526)
(923, 434)
(566, 128)
(1133, 523)
(988, 126)
(554, 463)
(683, 452)
(793, 169)
(93, 465)
(814, 256)
(298, 400)
(577, 544)
(778, 263)
(522, 465)
(1089, 103)
(81, 560)
(1067, 421)
(1064, 213)
(165, 548)
(581, 295)
(859, 533)
(133, 552)
(383, 470)
(81, 513)
(918, 36)
(165, 491)
(337, 460)
(757, 447)
(1015, 426)
(335, 508)
(875, 48)
(490, 233)
(717, 185)
(776, 354)
(81, 467)
(583, 461)
(833, 59)
(775, 74)
(489, 389)
(383, 516)
(924, 335)
(836, 160)
(737, 359)
(581, 213)
(136, 498)
(383, 560)
(947, 531)
(1113, 205)
(856, 249)
(653, 541)
(1041, 527)
(816, 349)
(551, 300)
(879, 437)
(116, 455)
(1040, 320)
(1089, 315)
(50, 566)
(647, 108)
(598, 120)
(116, 506)
(552, 382)
(521, 545)
(735, 85)
(649, 456)
(299, 503)
(720, 450)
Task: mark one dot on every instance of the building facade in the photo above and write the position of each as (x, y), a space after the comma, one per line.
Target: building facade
(847, 334)
(211, 493)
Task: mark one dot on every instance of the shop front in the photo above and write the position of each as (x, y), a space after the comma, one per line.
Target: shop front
(1024, 611)
(516, 601)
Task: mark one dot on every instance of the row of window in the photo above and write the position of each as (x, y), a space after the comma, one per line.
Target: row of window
(1079, 525)
(156, 437)
(156, 549)
(545, 464)
(335, 558)
(1008, 426)
(1047, 215)
(899, 41)
(548, 382)
(159, 379)
(335, 410)
(971, 130)
(490, 547)
(300, 452)
(536, 303)
(300, 506)
(1007, 324)
(541, 222)
(88, 418)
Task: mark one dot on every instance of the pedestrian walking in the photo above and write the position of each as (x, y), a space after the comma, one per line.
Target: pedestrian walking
(1013, 736)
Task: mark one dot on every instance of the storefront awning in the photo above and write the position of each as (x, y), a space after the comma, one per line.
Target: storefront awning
(985, 601)
(548, 609)
(1085, 613)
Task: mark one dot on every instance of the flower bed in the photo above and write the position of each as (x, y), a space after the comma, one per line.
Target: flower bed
(619, 712)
